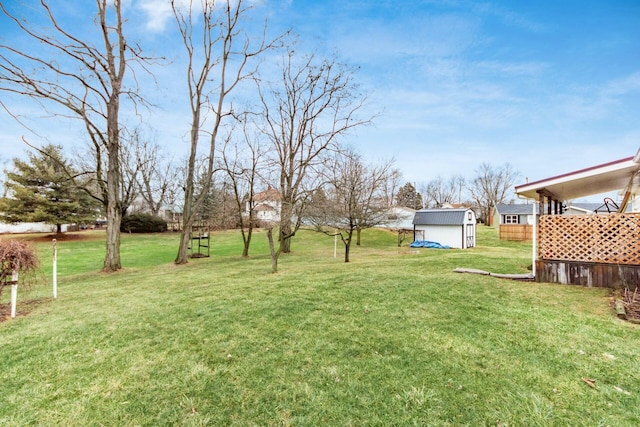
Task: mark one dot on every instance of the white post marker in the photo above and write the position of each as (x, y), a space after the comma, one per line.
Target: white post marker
(14, 293)
(55, 270)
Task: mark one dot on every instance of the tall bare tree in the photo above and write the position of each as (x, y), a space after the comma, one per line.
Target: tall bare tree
(491, 186)
(220, 55)
(82, 75)
(241, 158)
(314, 102)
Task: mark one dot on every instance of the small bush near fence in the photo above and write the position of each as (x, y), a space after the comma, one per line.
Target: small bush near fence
(143, 223)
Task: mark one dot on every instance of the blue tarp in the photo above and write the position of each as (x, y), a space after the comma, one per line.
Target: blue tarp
(428, 244)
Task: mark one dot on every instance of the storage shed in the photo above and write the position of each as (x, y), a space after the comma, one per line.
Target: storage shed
(455, 228)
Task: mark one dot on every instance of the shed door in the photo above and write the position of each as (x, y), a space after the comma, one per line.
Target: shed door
(470, 230)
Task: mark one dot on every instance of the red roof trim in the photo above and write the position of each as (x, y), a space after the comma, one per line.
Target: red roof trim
(564, 175)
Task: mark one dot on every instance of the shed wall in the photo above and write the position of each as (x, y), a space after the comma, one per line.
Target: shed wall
(449, 235)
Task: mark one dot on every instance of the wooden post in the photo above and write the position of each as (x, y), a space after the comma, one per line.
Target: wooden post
(534, 241)
(620, 309)
(14, 293)
(541, 202)
(55, 270)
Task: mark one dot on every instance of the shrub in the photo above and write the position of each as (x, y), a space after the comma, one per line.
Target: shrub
(143, 223)
(16, 256)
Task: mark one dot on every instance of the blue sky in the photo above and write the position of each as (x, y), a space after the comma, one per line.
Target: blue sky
(548, 86)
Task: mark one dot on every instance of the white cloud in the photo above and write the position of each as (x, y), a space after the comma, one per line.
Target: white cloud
(622, 86)
(158, 14)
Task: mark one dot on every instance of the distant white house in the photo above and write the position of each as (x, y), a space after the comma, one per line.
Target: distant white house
(455, 228)
(266, 205)
(30, 227)
(399, 218)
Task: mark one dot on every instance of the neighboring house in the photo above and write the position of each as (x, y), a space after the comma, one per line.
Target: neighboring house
(399, 218)
(455, 228)
(173, 215)
(513, 214)
(583, 209)
(514, 221)
(266, 205)
(588, 250)
(30, 227)
(457, 206)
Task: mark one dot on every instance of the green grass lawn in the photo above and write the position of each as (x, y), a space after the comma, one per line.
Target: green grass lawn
(392, 338)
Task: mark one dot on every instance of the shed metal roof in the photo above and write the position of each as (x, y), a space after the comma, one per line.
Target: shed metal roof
(440, 217)
(515, 209)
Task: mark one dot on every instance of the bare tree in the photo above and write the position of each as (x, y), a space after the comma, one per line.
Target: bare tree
(215, 43)
(353, 200)
(491, 186)
(132, 161)
(157, 175)
(393, 183)
(86, 81)
(314, 103)
(442, 191)
(240, 159)
(136, 156)
(460, 182)
(374, 205)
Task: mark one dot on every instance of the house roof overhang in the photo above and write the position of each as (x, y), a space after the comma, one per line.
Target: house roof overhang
(613, 176)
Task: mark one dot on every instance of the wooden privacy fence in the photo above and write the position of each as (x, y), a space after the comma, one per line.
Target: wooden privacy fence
(607, 239)
(516, 232)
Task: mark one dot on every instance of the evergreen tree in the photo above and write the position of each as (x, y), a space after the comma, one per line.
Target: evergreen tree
(408, 197)
(42, 190)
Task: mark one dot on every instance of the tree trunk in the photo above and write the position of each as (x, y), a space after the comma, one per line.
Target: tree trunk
(114, 210)
(185, 234)
(284, 239)
(187, 212)
(112, 259)
(183, 249)
(58, 228)
(274, 254)
(246, 238)
(114, 218)
(358, 230)
(347, 245)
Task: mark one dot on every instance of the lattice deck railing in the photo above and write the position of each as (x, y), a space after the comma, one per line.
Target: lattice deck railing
(609, 239)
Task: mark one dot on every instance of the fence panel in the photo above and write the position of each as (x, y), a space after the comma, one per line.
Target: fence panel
(609, 239)
(516, 232)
